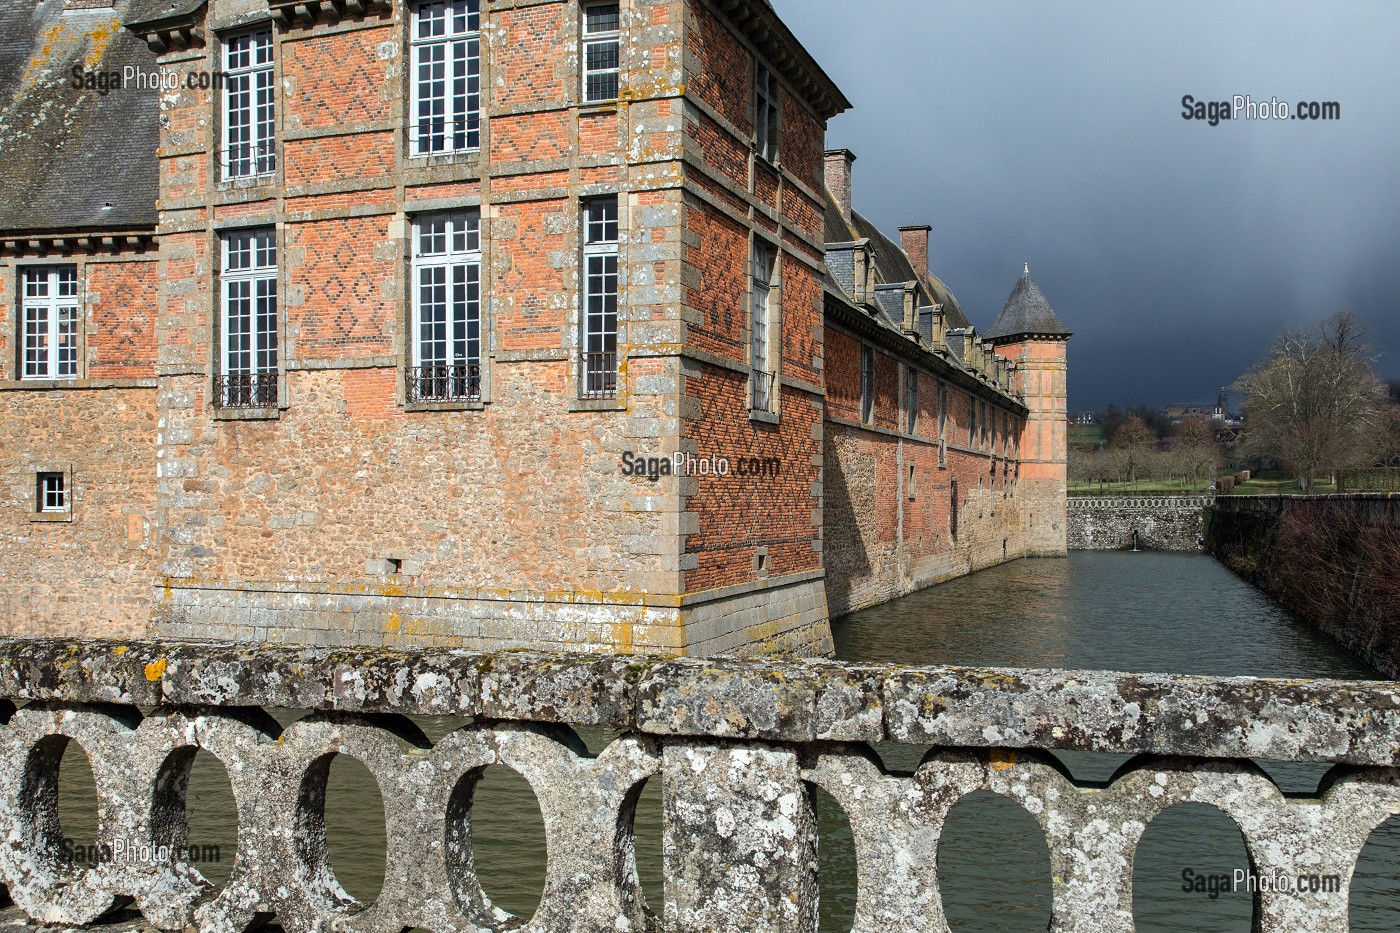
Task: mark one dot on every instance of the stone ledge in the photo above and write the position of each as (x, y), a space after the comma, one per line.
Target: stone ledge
(790, 701)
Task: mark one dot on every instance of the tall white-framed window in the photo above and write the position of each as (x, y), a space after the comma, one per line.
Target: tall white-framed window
(762, 370)
(445, 363)
(49, 322)
(867, 384)
(248, 320)
(445, 98)
(767, 114)
(602, 51)
(250, 108)
(600, 267)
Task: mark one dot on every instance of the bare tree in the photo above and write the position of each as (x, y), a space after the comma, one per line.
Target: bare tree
(1132, 445)
(1312, 402)
(1196, 450)
(1385, 436)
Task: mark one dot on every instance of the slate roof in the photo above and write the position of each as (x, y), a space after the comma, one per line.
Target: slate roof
(1027, 312)
(72, 159)
(892, 264)
(153, 11)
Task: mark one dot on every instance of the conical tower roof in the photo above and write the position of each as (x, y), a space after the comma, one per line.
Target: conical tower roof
(1027, 313)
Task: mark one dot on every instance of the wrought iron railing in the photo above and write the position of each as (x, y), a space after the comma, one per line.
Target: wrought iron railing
(249, 160)
(446, 135)
(246, 390)
(598, 374)
(457, 383)
(761, 390)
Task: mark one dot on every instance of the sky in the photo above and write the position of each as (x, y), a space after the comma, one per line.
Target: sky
(1052, 133)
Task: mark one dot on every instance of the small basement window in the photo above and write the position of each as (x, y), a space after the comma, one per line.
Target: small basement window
(51, 493)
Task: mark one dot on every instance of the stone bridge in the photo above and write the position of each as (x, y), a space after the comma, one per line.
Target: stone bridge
(1157, 523)
(737, 746)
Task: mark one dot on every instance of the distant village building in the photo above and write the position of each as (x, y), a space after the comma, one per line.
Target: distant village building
(1219, 413)
(480, 323)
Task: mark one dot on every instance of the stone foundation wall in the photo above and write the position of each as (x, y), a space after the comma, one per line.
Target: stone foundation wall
(85, 572)
(1162, 523)
(782, 616)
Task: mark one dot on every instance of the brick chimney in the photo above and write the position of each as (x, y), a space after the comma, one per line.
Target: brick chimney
(838, 179)
(914, 241)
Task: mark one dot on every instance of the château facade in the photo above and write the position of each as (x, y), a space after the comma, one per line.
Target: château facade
(347, 327)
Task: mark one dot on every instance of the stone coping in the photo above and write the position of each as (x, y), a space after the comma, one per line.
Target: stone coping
(783, 701)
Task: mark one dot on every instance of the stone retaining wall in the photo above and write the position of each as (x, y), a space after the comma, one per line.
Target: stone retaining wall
(739, 747)
(1330, 559)
(1162, 523)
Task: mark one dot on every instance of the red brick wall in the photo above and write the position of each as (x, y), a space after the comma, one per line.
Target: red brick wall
(725, 77)
(123, 299)
(336, 306)
(739, 514)
(337, 79)
(528, 65)
(889, 501)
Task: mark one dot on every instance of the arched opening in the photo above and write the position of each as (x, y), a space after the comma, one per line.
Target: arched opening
(1192, 863)
(836, 865)
(507, 842)
(77, 804)
(647, 832)
(340, 845)
(211, 819)
(1375, 885)
(355, 828)
(993, 867)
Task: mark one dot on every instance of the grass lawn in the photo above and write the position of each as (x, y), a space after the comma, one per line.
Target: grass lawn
(1279, 483)
(1086, 435)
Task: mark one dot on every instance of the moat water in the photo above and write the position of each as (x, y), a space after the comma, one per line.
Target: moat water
(1147, 612)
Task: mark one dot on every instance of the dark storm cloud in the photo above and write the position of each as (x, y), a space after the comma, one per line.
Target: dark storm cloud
(1052, 133)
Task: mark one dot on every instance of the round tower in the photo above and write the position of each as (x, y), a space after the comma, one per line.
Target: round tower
(1029, 333)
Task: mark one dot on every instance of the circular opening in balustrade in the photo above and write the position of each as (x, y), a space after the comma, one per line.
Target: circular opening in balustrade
(495, 827)
(837, 876)
(211, 820)
(77, 803)
(647, 833)
(355, 828)
(1375, 886)
(993, 864)
(1187, 872)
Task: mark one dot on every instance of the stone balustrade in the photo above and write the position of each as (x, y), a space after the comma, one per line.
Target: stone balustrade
(737, 746)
